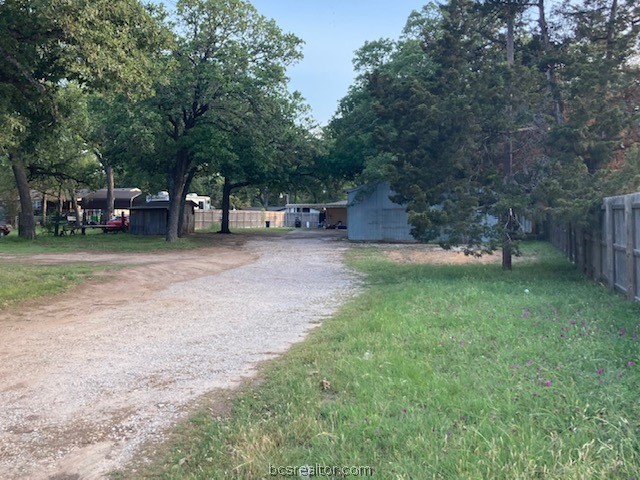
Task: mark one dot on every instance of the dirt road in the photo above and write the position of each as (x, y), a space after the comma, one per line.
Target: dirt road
(89, 378)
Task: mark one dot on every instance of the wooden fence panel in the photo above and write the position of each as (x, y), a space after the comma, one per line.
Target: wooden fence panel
(240, 218)
(610, 253)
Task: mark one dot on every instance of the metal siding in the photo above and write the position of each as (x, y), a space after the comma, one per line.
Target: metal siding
(377, 218)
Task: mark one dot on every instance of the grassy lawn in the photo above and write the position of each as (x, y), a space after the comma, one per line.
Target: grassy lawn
(95, 240)
(25, 282)
(445, 372)
(20, 281)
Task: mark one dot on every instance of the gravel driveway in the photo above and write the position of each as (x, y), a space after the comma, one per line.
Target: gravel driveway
(88, 379)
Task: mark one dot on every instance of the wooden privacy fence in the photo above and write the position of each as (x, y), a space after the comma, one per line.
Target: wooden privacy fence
(610, 254)
(240, 218)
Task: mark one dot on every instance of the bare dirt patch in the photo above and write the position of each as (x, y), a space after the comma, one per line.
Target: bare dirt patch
(89, 377)
(432, 254)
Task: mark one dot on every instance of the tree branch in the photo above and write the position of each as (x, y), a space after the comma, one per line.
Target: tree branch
(23, 70)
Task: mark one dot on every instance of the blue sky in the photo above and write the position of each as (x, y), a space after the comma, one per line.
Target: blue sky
(332, 30)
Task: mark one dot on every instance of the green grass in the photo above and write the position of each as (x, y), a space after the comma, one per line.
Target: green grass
(443, 372)
(19, 282)
(96, 240)
(26, 282)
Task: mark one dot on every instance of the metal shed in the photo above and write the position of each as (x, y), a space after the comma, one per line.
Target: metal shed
(151, 218)
(374, 217)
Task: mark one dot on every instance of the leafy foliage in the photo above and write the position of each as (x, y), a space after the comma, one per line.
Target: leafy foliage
(478, 112)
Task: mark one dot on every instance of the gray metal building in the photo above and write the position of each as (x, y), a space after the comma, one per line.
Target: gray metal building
(374, 217)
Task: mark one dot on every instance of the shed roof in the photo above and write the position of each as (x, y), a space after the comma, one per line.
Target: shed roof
(123, 198)
(340, 204)
(160, 205)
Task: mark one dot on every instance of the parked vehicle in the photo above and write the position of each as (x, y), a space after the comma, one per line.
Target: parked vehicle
(4, 229)
(118, 223)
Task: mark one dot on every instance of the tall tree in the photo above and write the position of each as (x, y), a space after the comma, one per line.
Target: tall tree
(46, 42)
(509, 11)
(222, 46)
(266, 147)
(354, 155)
(440, 135)
(595, 54)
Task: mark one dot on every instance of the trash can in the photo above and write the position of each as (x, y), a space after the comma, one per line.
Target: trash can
(267, 223)
(298, 223)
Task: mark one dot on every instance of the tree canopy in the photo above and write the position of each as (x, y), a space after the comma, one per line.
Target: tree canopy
(160, 101)
(488, 114)
(47, 45)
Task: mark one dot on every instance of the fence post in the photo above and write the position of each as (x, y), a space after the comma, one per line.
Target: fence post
(628, 220)
(608, 218)
(597, 255)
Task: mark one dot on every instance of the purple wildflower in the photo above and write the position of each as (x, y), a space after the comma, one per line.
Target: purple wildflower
(630, 363)
(547, 383)
(600, 371)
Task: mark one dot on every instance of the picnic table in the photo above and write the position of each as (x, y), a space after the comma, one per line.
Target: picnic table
(71, 226)
(68, 229)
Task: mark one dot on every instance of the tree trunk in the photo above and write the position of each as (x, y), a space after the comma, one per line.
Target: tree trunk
(226, 206)
(174, 211)
(507, 256)
(110, 184)
(75, 206)
(26, 223)
(611, 30)
(510, 227)
(108, 170)
(507, 241)
(43, 221)
(511, 49)
(176, 194)
(507, 161)
(552, 81)
(183, 202)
